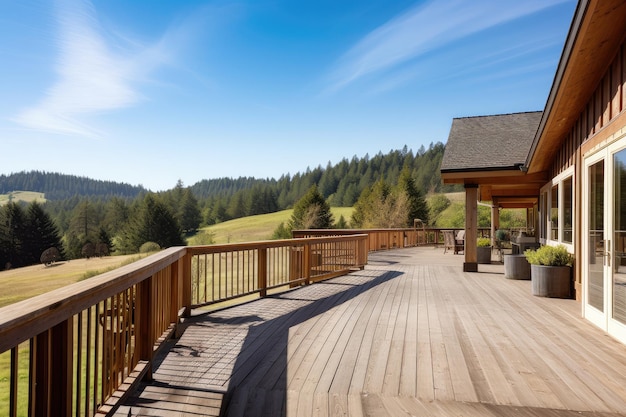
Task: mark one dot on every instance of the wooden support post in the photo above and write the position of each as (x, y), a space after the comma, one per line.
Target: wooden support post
(495, 222)
(471, 228)
(262, 273)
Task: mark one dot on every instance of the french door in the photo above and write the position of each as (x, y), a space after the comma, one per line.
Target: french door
(604, 239)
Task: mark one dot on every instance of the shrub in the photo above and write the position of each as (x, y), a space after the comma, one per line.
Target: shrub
(149, 247)
(501, 235)
(50, 256)
(549, 256)
(482, 242)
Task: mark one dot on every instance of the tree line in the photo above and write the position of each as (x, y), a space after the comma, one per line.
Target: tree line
(386, 190)
(95, 227)
(61, 186)
(341, 184)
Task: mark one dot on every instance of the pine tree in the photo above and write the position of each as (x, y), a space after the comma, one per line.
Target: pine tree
(311, 212)
(41, 234)
(84, 223)
(152, 223)
(417, 207)
(189, 215)
(12, 231)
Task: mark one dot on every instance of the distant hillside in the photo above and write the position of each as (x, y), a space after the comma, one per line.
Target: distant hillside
(60, 186)
(227, 198)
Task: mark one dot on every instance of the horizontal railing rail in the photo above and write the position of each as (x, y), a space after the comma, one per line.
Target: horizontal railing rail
(77, 350)
(383, 239)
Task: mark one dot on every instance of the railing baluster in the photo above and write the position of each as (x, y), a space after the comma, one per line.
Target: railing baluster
(88, 361)
(79, 361)
(13, 382)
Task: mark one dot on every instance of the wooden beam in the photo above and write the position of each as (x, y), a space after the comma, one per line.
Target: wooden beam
(494, 177)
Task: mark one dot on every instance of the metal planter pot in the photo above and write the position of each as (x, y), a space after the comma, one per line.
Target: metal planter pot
(551, 281)
(483, 254)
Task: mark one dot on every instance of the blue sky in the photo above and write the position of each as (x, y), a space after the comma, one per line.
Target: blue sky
(149, 92)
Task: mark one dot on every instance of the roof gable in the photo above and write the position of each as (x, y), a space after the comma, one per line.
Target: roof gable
(496, 142)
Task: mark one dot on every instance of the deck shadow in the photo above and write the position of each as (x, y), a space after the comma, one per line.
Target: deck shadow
(258, 384)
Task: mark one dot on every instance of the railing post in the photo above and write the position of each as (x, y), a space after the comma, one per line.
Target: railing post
(262, 272)
(62, 382)
(187, 285)
(145, 339)
(51, 371)
(39, 389)
(307, 263)
(175, 290)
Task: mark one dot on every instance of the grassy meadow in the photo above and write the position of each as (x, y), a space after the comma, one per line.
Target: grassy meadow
(253, 228)
(22, 283)
(25, 196)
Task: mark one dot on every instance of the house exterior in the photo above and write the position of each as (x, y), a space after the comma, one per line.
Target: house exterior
(566, 164)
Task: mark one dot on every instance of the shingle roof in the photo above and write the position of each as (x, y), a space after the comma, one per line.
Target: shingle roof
(490, 142)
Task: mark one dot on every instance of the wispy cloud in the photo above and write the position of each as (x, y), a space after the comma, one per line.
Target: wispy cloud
(92, 74)
(422, 29)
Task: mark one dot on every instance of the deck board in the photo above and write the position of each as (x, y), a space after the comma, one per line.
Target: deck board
(411, 334)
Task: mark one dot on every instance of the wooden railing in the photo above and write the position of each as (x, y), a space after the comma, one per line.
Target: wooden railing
(223, 272)
(77, 350)
(383, 239)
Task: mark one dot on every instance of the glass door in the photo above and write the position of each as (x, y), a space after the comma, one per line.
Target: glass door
(617, 278)
(604, 244)
(595, 248)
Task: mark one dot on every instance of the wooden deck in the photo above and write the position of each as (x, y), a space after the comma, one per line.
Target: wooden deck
(411, 335)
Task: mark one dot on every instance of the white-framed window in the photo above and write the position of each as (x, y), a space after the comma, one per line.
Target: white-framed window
(543, 210)
(556, 205)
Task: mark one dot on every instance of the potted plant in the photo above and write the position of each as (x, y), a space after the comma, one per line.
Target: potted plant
(483, 250)
(550, 271)
(502, 235)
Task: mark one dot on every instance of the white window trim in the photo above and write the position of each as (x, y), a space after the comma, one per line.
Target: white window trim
(547, 189)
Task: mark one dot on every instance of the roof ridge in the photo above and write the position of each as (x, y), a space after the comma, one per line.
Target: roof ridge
(496, 115)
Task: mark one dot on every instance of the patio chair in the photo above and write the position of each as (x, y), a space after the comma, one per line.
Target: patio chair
(459, 241)
(453, 242)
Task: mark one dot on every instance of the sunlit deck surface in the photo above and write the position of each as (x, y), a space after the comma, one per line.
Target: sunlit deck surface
(410, 335)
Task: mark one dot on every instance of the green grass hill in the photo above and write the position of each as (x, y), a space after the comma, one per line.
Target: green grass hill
(253, 228)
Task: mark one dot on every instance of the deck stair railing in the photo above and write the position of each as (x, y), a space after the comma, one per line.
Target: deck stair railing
(78, 350)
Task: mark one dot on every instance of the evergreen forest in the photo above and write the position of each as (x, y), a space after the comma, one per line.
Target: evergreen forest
(92, 218)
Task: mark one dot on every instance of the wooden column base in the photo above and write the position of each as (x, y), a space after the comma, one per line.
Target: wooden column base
(470, 266)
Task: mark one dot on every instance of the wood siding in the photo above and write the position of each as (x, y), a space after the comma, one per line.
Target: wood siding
(603, 107)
